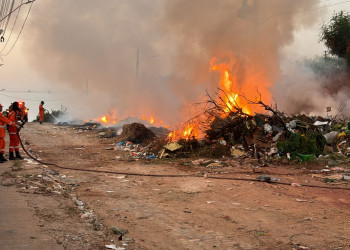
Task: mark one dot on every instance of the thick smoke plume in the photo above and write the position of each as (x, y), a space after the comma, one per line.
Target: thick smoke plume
(72, 42)
(314, 86)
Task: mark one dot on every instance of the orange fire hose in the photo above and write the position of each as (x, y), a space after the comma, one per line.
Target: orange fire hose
(168, 175)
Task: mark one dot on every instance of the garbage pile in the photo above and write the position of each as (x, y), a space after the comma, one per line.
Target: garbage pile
(299, 137)
(264, 137)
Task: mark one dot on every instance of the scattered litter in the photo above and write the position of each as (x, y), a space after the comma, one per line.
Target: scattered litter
(114, 247)
(236, 204)
(150, 157)
(210, 202)
(119, 231)
(302, 200)
(173, 146)
(346, 177)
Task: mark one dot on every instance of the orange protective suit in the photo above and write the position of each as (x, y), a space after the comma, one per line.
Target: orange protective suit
(14, 141)
(41, 113)
(3, 122)
(24, 113)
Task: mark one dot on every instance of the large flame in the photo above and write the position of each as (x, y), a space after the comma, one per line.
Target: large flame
(230, 96)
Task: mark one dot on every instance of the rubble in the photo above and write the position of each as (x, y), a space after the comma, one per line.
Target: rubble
(135, 133)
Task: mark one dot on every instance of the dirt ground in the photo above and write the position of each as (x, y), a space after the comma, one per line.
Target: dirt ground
(77, 209)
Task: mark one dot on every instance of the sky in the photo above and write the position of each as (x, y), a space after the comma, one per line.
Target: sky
(81, 55)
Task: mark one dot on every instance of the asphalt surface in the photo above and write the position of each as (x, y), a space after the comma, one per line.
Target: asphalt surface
(19, 228)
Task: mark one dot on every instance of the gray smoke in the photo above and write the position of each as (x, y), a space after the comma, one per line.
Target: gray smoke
(72, 42)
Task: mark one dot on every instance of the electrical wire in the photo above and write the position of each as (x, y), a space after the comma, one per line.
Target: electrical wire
(14, 24)
(3, 11)
(8, 18)
(39, 91)
(300, 11)
(46, 100)
(168, 175)
(25, 20)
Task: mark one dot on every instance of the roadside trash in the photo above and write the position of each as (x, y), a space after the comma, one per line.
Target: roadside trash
(346, 177)
(264, 178)
(110, 148)
(151, 157)
(237, 152)
(173, 146)
(273, 151)
(338, 169)
(223, 142)
(53, 172)
(276, 137)
(210, 202)
(87, 215)
(214, 165)
(122, 143)
(295, 185)
(79, 203)
(119, 231)
(301, 200)
(267, 128)
(331, 137)
(334, 178)
(288, 156)
(114, 247)
(309, 157)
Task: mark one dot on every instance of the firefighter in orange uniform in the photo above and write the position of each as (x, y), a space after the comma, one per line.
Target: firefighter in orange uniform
(3, 122)
(41, 112)
(24, 112)
(14, 140)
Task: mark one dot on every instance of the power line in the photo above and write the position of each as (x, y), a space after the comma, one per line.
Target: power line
(36, 100)
(14, 24)
(300, 11)
(25, 20)
(39, 91)
(9, 16)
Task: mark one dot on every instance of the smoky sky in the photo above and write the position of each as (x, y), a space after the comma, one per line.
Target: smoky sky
(94, 43)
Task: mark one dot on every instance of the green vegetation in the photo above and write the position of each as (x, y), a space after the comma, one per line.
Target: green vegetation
(309, 143)
(336, 35)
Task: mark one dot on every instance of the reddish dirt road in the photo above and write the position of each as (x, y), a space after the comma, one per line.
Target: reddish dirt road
(173, 213)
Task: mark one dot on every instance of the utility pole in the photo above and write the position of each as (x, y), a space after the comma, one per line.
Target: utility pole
(87, 87)
(137, 61)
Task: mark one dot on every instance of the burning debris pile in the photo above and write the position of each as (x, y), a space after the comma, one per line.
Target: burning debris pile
(229, 131)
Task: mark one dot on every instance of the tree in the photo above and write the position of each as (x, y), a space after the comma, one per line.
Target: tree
(336, 35)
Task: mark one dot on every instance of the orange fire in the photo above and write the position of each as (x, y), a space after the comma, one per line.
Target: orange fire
(190, 131)
(231, 98)
(107, 119)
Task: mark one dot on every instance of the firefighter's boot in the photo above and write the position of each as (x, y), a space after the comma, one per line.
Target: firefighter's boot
(11, 156)
(2, 158)
(18, 156)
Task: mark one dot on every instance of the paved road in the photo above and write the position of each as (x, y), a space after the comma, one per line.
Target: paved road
(19, 228)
